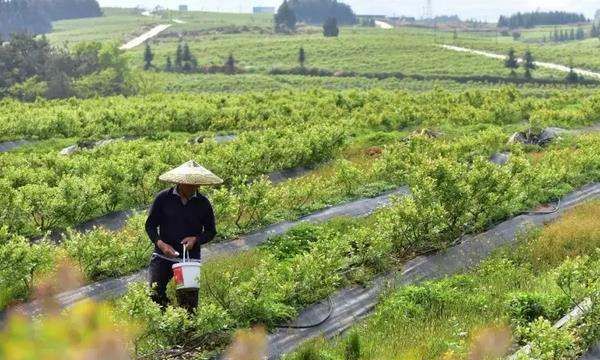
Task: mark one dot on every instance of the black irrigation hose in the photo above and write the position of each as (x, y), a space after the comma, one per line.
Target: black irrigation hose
(553, 211)
(163, 353)
(321, 322)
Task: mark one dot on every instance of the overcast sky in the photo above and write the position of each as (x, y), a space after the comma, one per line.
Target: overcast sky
(483, 9)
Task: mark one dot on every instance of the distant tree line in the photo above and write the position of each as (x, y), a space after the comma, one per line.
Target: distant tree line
(31, 68)
(318, 11)
(531, 19)
(328, 12)
(36, 16)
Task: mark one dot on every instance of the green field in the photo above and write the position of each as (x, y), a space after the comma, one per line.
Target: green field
(212, 37)
(385, 110)
(116, 25)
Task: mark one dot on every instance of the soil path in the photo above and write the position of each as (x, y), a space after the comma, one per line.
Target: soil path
(383, 25)
(145, 36)
(541, 64)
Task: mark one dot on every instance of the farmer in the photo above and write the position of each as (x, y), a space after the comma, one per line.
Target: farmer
(179, 216)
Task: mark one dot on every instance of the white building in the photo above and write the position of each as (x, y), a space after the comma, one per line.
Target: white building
(263, 10)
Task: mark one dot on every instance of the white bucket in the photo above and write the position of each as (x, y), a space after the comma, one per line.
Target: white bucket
(186, 273)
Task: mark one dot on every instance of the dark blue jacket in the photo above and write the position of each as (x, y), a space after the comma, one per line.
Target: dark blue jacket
(171, 221)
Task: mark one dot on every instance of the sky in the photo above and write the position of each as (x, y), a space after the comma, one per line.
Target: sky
(483, 10)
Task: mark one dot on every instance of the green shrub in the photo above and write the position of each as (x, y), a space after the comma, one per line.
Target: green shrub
(524, 308)
(308, 352)
(105, 254)
(548, 343)
(21, 262)
(295, 241)
(353, 351)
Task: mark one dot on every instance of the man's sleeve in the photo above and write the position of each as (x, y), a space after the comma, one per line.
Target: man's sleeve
(210, 229)
(153, 221)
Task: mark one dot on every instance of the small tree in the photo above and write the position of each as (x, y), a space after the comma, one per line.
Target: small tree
(301, 57)
(285, 19)
(572, 76)
(516, 35)
(169, 65)
(330, 27)
(148, 57)
(186, 54)
(230, 65)
(528, 64)
(179, 57)
(511, 62)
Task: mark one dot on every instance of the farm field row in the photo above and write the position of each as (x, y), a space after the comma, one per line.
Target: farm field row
(310, 262)
(513, 297)
(155, 115)
(339, 118)
(240, 83)
(49, 191)
(240, 207)
(317, 260)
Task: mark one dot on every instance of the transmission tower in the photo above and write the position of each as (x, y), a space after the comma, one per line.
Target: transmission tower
(428, 11)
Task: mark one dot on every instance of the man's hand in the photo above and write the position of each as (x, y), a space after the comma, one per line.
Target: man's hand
(167, 249)
(189, 242)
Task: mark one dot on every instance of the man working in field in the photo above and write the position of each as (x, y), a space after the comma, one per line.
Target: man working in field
(179, 216)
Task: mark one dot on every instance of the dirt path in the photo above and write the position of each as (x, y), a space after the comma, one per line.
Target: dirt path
(145, 36)
(383, 25)
(116, 287)
(541, 64)
(353, 304)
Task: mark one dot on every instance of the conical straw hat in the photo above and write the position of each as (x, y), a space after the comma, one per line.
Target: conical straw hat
(191, 173)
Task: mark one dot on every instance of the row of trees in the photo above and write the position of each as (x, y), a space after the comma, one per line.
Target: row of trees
(326, 12)
(35, 16)
(30, 68)
(531, 19)
(513, 63)
(572, 35)
(528, 63)
(180, 65)
(186, 62)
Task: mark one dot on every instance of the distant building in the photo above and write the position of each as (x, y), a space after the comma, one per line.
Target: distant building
(263, 10)
(183, 8)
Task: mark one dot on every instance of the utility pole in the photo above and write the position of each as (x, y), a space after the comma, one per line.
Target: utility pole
(428, 10)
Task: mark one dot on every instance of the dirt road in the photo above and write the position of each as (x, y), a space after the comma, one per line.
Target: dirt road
(547, 65)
